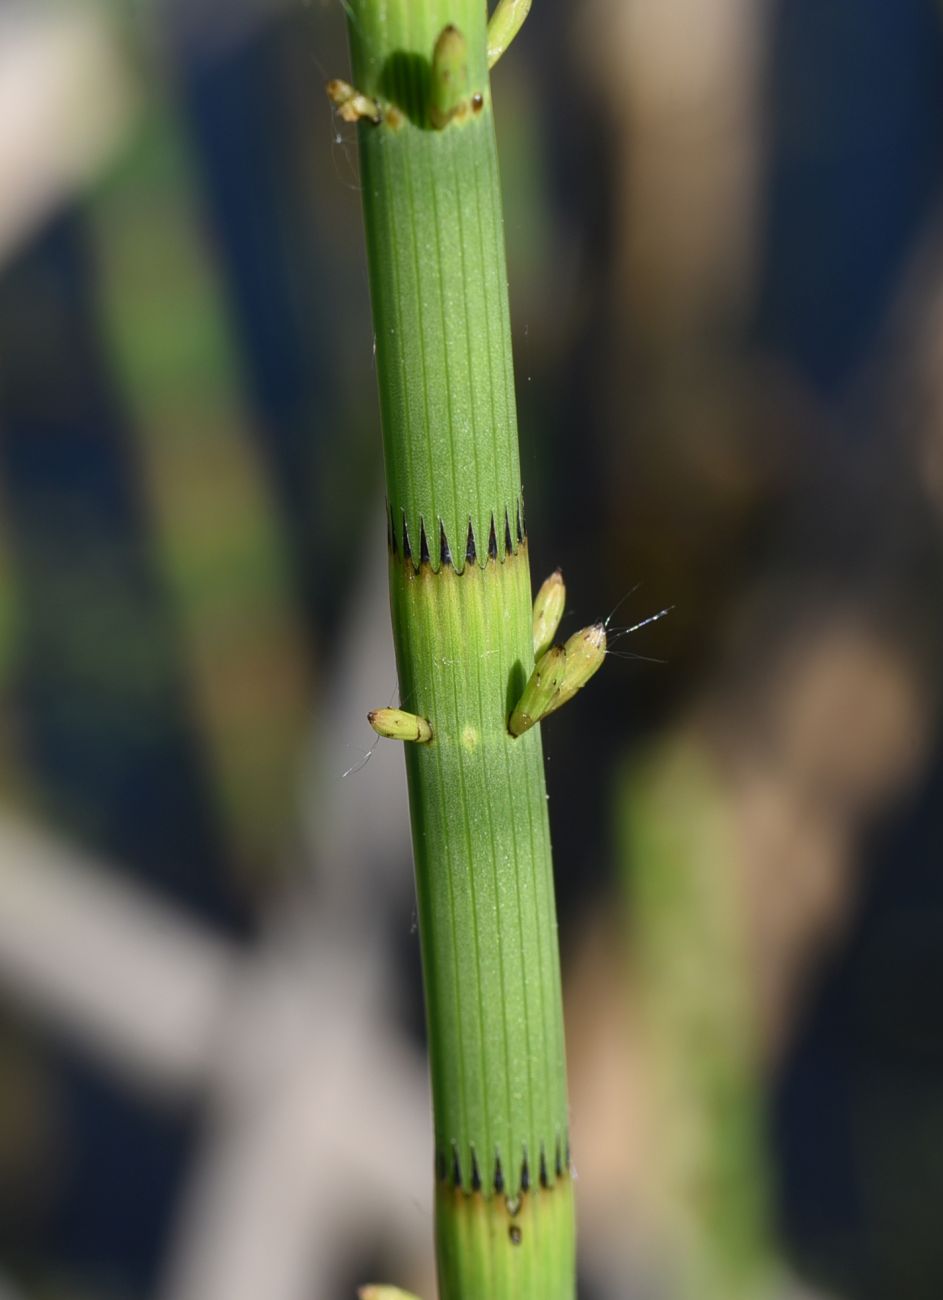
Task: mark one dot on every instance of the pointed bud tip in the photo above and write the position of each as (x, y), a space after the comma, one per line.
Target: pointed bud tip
(588, 643)
(450, 41)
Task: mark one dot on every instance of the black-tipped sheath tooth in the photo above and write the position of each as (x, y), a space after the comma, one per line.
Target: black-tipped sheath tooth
(559, 1160)
(390, 531)
(475, 1172)
(520, 526)
(456, 1166)
(544, 1176)
(523, 514)
(423, 542)
(492, 542)
(568, 1162)
(498, 1175)
(445, 555)
(525, 1174)
(407, 549)
(508, 544)
(441, 1166)
(471, 551)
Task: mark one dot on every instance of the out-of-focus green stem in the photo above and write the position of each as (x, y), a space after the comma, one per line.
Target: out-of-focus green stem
(692, 988)
(463, 628)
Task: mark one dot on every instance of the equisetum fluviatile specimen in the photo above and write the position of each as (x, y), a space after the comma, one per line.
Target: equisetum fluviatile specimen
(465, 631)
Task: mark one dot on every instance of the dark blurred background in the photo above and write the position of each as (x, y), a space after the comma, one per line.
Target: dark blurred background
(725, 241)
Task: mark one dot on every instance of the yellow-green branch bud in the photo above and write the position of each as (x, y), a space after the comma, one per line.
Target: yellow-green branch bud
(351, 105)
(548, 611)
(397, 724)
(384, 1293)
(449, 89)
(503, 26)
(585, 652)
(540, 691)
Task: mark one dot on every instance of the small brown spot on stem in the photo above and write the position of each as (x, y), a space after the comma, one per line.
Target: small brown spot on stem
(515, 1234)
(478, 101)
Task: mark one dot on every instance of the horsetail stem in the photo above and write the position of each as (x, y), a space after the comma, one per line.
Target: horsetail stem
(463, 629)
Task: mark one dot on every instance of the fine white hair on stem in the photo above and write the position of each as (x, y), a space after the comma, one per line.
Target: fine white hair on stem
(644, 622)
(362, 761)
(616, 634)
(618, 605)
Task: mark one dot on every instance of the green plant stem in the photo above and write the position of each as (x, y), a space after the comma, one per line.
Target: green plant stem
(462, 620)
(692, 987)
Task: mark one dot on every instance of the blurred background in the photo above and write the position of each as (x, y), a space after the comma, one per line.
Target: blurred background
(726, 255)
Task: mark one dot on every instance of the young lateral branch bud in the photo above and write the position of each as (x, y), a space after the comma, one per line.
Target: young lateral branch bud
(503, 26)
(585, 652)
(449, 89)
(397, 724)
(351, 105)
(384, 1293)
(548, 611)
(540, 691)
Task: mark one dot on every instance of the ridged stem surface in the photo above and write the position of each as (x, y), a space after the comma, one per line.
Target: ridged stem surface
(462, 619)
